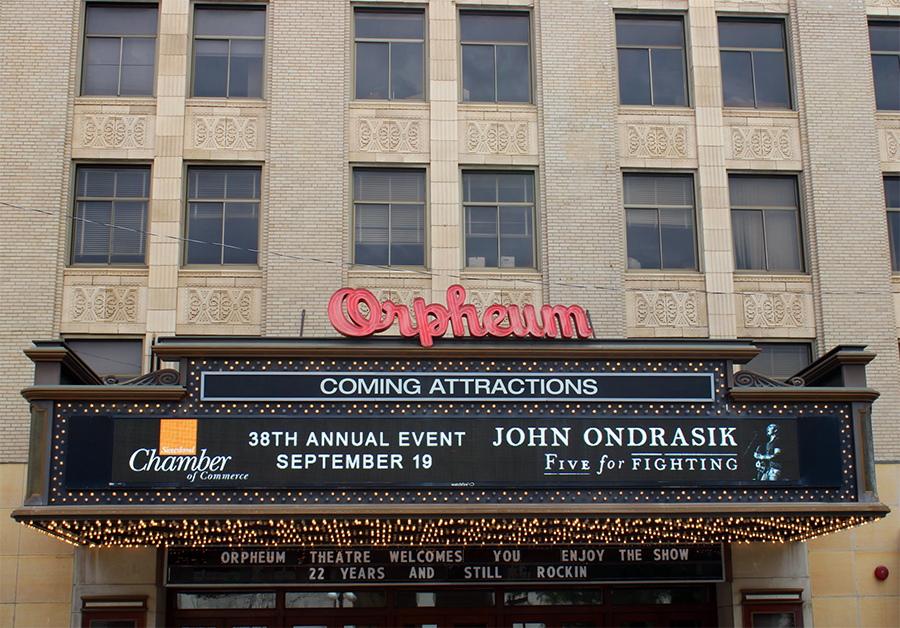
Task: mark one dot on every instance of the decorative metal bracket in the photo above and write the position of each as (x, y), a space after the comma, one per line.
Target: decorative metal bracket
(749, 379)
(162, 377)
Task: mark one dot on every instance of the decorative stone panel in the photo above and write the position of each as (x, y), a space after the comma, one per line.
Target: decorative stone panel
(781, 309)
(389, 135)
(220, 306)
(676, 309)
(883, 3)
(890, 145)
(122, 132)
(226, 133)
(763, 143)
(484, 298)
(105, 304)
(498, 138)
(657, 140)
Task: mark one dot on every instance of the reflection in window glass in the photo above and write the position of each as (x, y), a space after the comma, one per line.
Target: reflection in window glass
(660, 595)
(340, 599)
(651, 61)
(892, 203)
(553, 597)
(262, 599)
(773, 619)
(754, 64)
(496, 53)
(223, 216)
(444, 599)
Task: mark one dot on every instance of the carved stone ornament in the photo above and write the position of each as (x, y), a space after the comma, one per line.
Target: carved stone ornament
(497, 138)
(892, 144)
(781, 309)
(226, 132)
(114, 131)
(483, 298)
(99, 304)
(389, 136)
(762, 143)
(220, 306)
(884, 3)
(667, 309)
(644, 140)
(749, 379)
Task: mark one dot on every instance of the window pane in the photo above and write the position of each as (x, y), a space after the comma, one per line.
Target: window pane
(230, 22)
(204, 232)
(478, 73)
(110, 357)
(749, 246)
(677, 227)
(770, 73)
(241, 227)
(642, 238)
(514, 188)
(886, 72)
(737, 79)
(407, 235)
(634, 77)
(762, 191)
(101, 66)
(892, 192)
(389, 25)
(241, 183)
(649, 32)
(127, 236)
(371, 235)
(658, 190)
(513, 74)
(552, 597)
(782, 240)
(120, 20)
(493, 27)
(407, 71)
(481, 237)
(246, 73)
(894, 236)
(372, 70)
(321, 599)
(479, 188)
(211, 68)
(516, 238)
(668, 77)
(741, 34)
(660, 595)
(884, 36)
(91, 244)
(96, 182)
(226, 600)
(389, 185)
(207, 183)
(137, 66)
(779, 360)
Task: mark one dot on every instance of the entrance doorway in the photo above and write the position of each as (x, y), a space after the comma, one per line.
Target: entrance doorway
(625, 606)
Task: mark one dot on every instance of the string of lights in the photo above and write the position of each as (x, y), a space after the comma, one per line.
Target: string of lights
(518, 279)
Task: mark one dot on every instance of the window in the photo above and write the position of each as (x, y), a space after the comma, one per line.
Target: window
(659, 219)
(765, 221)
(499, 219)
(119, 50)
(228, 52)
(121, 359)
(389, 217)
(754, 64)
(779, 360)
(892, 202)
(390, 54)
(651, 60)
(223, 215)
(496, 55)
(110, 215)
(884, 40)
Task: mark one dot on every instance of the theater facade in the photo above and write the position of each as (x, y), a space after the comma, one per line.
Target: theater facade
(480, 478)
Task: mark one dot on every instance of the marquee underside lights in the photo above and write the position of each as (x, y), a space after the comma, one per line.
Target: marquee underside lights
(283, 531)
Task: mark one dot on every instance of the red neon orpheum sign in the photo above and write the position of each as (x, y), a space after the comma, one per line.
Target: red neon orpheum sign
(499, 321)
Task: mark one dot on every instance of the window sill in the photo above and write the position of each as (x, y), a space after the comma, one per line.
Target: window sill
(497, 106)
(658, 109)
(221, 269)
(219, 101)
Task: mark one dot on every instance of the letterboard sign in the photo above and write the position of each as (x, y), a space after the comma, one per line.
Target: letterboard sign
(445, 565)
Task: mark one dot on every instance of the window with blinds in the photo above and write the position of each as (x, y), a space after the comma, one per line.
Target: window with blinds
(779, 360)
(223, 216)
(389, 217)
(110, 218)
(499, 219)
(765, 223)
(659, 222)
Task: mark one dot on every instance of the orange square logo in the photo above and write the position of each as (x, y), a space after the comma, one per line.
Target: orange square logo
(178, 437)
